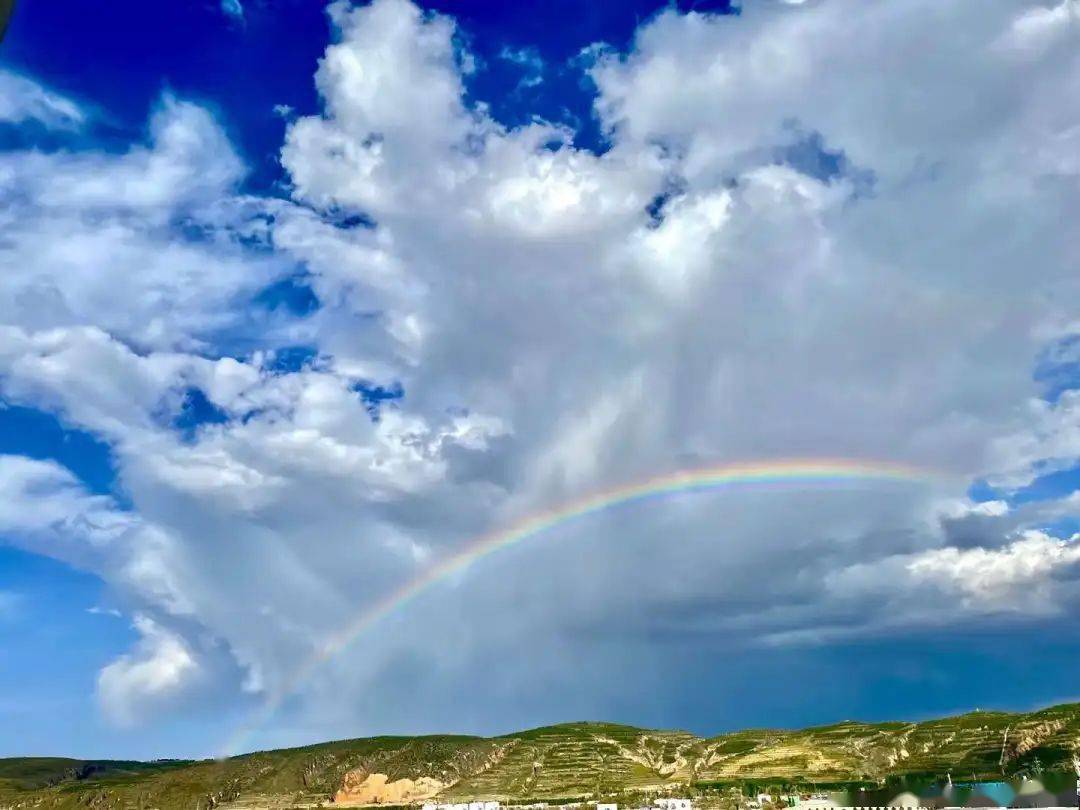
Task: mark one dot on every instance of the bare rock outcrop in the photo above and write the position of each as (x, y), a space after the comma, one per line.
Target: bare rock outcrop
(361, 788)
(1019, 741)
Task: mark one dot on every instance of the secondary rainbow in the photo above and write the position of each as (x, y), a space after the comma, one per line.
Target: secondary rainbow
(792, 472)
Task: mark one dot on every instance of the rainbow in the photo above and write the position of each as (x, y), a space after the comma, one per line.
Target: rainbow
(797, 471)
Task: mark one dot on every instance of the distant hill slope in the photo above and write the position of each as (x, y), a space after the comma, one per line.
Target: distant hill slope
(28, 773)
(557, 762)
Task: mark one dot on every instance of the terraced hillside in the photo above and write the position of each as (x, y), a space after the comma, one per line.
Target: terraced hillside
(975, 745)
(557, 762)
(577, 759)
(296, 776)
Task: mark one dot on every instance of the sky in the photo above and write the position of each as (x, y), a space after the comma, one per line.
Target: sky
(299, 300)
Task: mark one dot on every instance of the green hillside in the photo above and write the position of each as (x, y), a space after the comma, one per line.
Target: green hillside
(573, 760)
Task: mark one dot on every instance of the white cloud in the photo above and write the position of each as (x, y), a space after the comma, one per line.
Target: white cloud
(189, 160)
(529, 61)
(553, 338)
(93, 237)
(98, 610)
(134, 686)
(1050, 442)
(22, 99)
(1034, 575)
(958, 510)
(233, 8)
(1036, 28)
(46, 511)
(1020, 577)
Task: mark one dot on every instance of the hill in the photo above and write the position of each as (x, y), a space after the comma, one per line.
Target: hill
(568, 761)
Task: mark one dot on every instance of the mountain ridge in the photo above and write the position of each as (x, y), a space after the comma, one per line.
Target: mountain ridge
(564, 761)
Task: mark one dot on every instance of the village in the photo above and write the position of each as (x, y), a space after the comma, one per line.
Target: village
(658, 804)
(1030, 795)
(817, 801)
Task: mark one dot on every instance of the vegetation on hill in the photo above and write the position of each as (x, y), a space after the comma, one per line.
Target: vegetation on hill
(573, 760)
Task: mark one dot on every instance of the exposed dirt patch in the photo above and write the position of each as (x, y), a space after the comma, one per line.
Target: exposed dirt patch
(359, 788)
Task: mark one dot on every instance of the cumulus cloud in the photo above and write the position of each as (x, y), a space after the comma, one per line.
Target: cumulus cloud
(91, 237)
(1033, 575)
(768, 261)
(136, 684)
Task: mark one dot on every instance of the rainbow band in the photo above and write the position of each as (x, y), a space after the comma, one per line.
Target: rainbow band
(804, 472)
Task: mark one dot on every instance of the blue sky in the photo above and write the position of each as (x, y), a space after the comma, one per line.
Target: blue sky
(303, 298)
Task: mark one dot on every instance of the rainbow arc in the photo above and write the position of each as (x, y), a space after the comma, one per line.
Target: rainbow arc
(797, 472)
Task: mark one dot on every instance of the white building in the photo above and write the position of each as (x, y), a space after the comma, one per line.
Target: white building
(603, 806)
(819, 801)
(674, 804)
